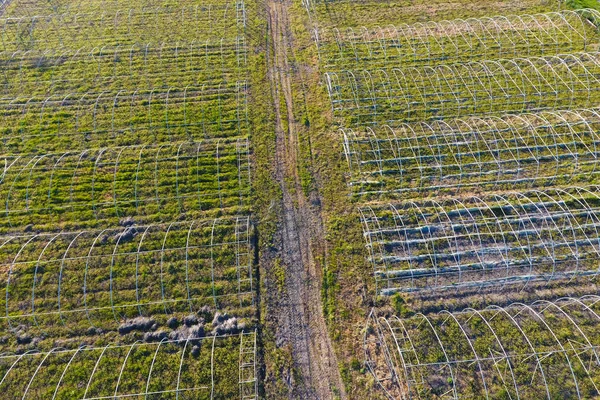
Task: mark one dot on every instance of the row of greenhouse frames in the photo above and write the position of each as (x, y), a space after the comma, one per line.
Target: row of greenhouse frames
(472, 152)
(145, 181)
(186, 369)
(527, 150)
(461, 40)
(461, 89)
(125, 201)
(456, 130)
(152, 64)
(98, 278)
(512, 238)
(92, 119)
(545, 350)
(129, 25)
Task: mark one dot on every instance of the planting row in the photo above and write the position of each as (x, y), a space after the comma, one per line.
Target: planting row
(547, 350)
(489, 240)
(76, 281)
(145, 182)
(459, 40)
(123, 118)
(221, 367)
(122, 27)
(16, 8)
(522, 150)
(479, 87)
(114, 68)
(374, 13)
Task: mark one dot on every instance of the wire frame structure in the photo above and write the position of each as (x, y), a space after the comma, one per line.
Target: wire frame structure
(20, 8)
(196, 368)
(544, 350)
(522, 150)
(74, 281)
(460, 40)
(112, 68)
(145, 182)
(392, 3)
(248, 377)
(80, 121)
(493, 240)
(124, 26)
(307, 4)
(454, 90)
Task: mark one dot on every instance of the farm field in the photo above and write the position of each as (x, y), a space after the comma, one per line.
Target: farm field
(127, 241)
(299, 199)
(452, 148)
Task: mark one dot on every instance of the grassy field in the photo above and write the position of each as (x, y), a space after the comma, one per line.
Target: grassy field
(200, 369)
(127, 244)
(372, 13)
(465, 141)
(450, 156)
(299, 199)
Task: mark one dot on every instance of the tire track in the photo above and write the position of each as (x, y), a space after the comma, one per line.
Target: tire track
(300, 321)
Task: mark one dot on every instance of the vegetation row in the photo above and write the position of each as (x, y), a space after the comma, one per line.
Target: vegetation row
(547, 350)
(509, 238)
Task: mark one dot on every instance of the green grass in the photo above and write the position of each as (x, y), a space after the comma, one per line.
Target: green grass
(124, 26)
(444, 42)
(418, 92)
(160, 369)
(71, 282)
(127, 117)
(517, 85)
(447, 243)
(456, 341)
(149, 183)
(450, 157)
(160, 111)
(116, 113)
(114, 68)
(372, 13)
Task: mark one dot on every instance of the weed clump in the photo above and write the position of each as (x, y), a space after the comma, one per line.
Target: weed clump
(137, 324)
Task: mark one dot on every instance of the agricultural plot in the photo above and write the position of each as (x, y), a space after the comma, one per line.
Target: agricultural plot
(454, 90)
(113, 68)
(379, 13)
(125, 26)
(471, 143)
(148, 183)
(126, 201)
(472, 153)
(20, 8)
(127, 246)
(169, 369)
(124, 118)
(121, 76)
(511, 238)
(459, 40)
(547, 350)
(494, 124)
(75, 281)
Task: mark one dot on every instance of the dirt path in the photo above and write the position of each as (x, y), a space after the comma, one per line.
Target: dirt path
(300, 322)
